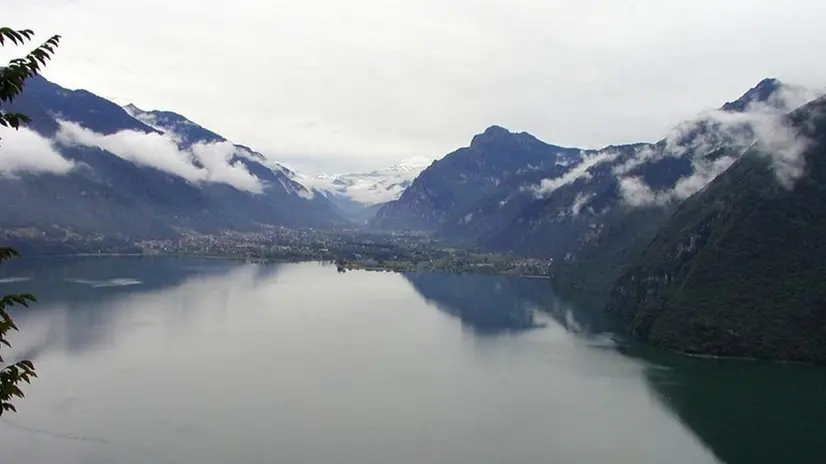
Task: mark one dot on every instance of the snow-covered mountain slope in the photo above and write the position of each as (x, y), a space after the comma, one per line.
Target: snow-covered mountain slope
(370, 188)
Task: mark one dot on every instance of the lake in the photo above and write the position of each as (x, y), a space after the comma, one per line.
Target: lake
(168, 360)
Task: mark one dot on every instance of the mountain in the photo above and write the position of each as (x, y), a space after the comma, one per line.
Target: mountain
(773, 93)
(738, 269)
(496, 160)
(181, 129)
(512, 192)
(594, 213)
(359, 195)
(591, 211)
(371, 188)
(88, 167)
(640, 189)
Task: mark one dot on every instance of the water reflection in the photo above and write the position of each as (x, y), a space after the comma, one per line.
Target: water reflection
(92, 279)
(301, 364)
(484, 304)
(85, 302)
(745, 412)
(490, 305)
(301, 329)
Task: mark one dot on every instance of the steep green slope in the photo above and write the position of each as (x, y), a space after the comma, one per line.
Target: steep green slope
(593, 266)
(740, 268)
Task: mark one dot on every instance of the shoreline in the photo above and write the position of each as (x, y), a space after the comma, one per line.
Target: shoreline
(617, 341)
(716, 357)
(274, 260)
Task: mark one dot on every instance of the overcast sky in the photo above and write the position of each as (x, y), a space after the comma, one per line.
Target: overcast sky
(348, 85)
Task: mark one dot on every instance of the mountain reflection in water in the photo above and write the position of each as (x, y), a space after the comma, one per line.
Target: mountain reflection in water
(299, 336)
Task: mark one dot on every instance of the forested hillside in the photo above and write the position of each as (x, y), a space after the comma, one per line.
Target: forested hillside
(739, 269)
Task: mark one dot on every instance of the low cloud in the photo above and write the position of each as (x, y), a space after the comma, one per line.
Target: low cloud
(635, 192)
(580, 201)
(24, 150)
(785, 147)
(643, 155)
(788, 98)
(201, 163)
(762, 126)
(548, 186)
(704, 173)
(371, 193)
(216, 161)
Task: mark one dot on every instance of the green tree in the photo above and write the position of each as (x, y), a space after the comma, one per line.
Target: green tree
(12, 79)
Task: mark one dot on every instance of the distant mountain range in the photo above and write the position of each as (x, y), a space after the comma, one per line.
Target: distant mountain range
(86, 166)
(707, 241)
(512, 192)
(358, 196)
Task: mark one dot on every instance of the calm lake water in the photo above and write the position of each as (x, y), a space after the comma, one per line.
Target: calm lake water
(162, 360)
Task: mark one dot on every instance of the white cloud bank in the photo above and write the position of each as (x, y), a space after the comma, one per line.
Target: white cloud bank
(548, 186)
(201, 163)
(24, 150)
(763, 126)
(635, 192)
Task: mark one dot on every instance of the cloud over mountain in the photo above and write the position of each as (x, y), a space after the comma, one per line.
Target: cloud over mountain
(24, 150)
(203, 162)
(580, 170)
(759, 124)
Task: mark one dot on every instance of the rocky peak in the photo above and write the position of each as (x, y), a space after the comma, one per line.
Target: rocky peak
(132, 109)
(492, 134)
(763, 92)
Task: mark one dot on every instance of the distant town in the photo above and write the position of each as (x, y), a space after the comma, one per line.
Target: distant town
(348, 249)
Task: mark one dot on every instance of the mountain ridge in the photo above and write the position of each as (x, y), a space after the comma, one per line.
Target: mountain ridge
(596, 211)
(127, 178)
(454, 182)
(737, 270)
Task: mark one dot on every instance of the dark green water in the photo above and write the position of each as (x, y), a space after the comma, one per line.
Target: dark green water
(200, 361)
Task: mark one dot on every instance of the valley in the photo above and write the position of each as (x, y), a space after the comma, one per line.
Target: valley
(589, 220)
(408, 232)
(348, 249)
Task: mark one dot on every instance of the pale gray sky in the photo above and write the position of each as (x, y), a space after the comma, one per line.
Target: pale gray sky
(362, 84)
